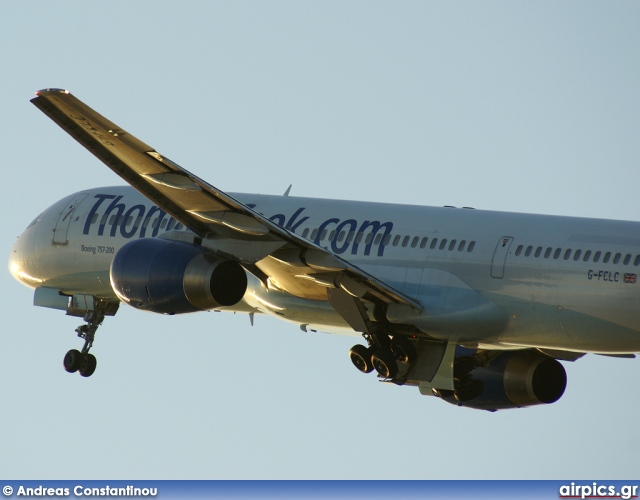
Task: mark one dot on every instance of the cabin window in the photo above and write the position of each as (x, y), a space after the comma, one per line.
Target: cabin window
(616, 259)
(323, 234)
(359, 238)
(414, 243)
(443, 244)
(405, 241)
(637, 261)
(627, 259)
(607, 257)
(576, 257)
(434, 242)
(378, 239)
(587, 256)
(471, 246)
(461, 245)
(396, 240)
(538, 252)
(519, 250)
(423, 243)
(528, 251)
(314, 233)
(596, 256)
(547, 252)
(556, 254)
(163, 224)
(305, 232)
(369, 238)
(567, 254)
(387, 239)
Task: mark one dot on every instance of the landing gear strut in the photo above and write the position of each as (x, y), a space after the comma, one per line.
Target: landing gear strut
(383, 353)
(84, 362)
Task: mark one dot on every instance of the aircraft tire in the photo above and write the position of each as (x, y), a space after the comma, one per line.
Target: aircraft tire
(403, 350)
(385, 363)
(87, 365)
(361, 358)
(72, 360)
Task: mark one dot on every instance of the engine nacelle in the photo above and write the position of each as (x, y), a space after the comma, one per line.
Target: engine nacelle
(513, 379)
(172, 277)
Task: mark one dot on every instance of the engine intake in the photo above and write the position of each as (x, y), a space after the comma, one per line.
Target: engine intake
(172, 277)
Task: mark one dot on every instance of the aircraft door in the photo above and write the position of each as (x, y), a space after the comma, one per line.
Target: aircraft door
(61, 229)
(500, 257)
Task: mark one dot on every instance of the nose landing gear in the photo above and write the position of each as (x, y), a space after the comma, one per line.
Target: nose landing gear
(83, 361)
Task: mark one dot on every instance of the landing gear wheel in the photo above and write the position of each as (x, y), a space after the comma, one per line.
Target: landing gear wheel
(403, 350)
(361, 358)
(88, 365)
(72, 360)
(385, 363)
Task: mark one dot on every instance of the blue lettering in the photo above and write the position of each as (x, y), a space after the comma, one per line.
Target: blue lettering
(375, 229)
(119, 207)
(278, 219)
(94, 210)
(322, 227)
(373, 232)
(292, 225)
(156, 223)
(136, 223)
(335, 244)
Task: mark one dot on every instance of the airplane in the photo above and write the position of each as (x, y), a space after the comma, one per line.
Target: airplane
(474, 307)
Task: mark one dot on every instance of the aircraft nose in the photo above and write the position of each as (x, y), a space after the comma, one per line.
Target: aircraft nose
(22, 265)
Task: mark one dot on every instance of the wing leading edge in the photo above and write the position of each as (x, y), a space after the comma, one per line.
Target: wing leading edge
(278, 256)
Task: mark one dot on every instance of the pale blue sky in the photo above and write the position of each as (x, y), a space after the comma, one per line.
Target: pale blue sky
(517, 106)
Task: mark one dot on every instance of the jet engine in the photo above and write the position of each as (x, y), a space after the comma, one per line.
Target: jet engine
(512, 379)
(172, 277)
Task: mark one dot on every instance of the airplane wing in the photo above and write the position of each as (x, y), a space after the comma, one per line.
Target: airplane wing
(277, 256)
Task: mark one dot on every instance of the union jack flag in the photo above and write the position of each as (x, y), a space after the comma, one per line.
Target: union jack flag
(630, 278)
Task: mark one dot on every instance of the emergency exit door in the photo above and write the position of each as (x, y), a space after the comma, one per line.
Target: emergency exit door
(500, 257)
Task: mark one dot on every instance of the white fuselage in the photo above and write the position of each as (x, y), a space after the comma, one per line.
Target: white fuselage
(550, 282)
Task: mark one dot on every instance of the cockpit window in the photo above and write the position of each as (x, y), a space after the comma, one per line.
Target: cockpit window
(34, 221)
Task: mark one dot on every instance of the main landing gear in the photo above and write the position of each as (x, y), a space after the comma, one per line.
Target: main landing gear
(82, 361)
(383, 354)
